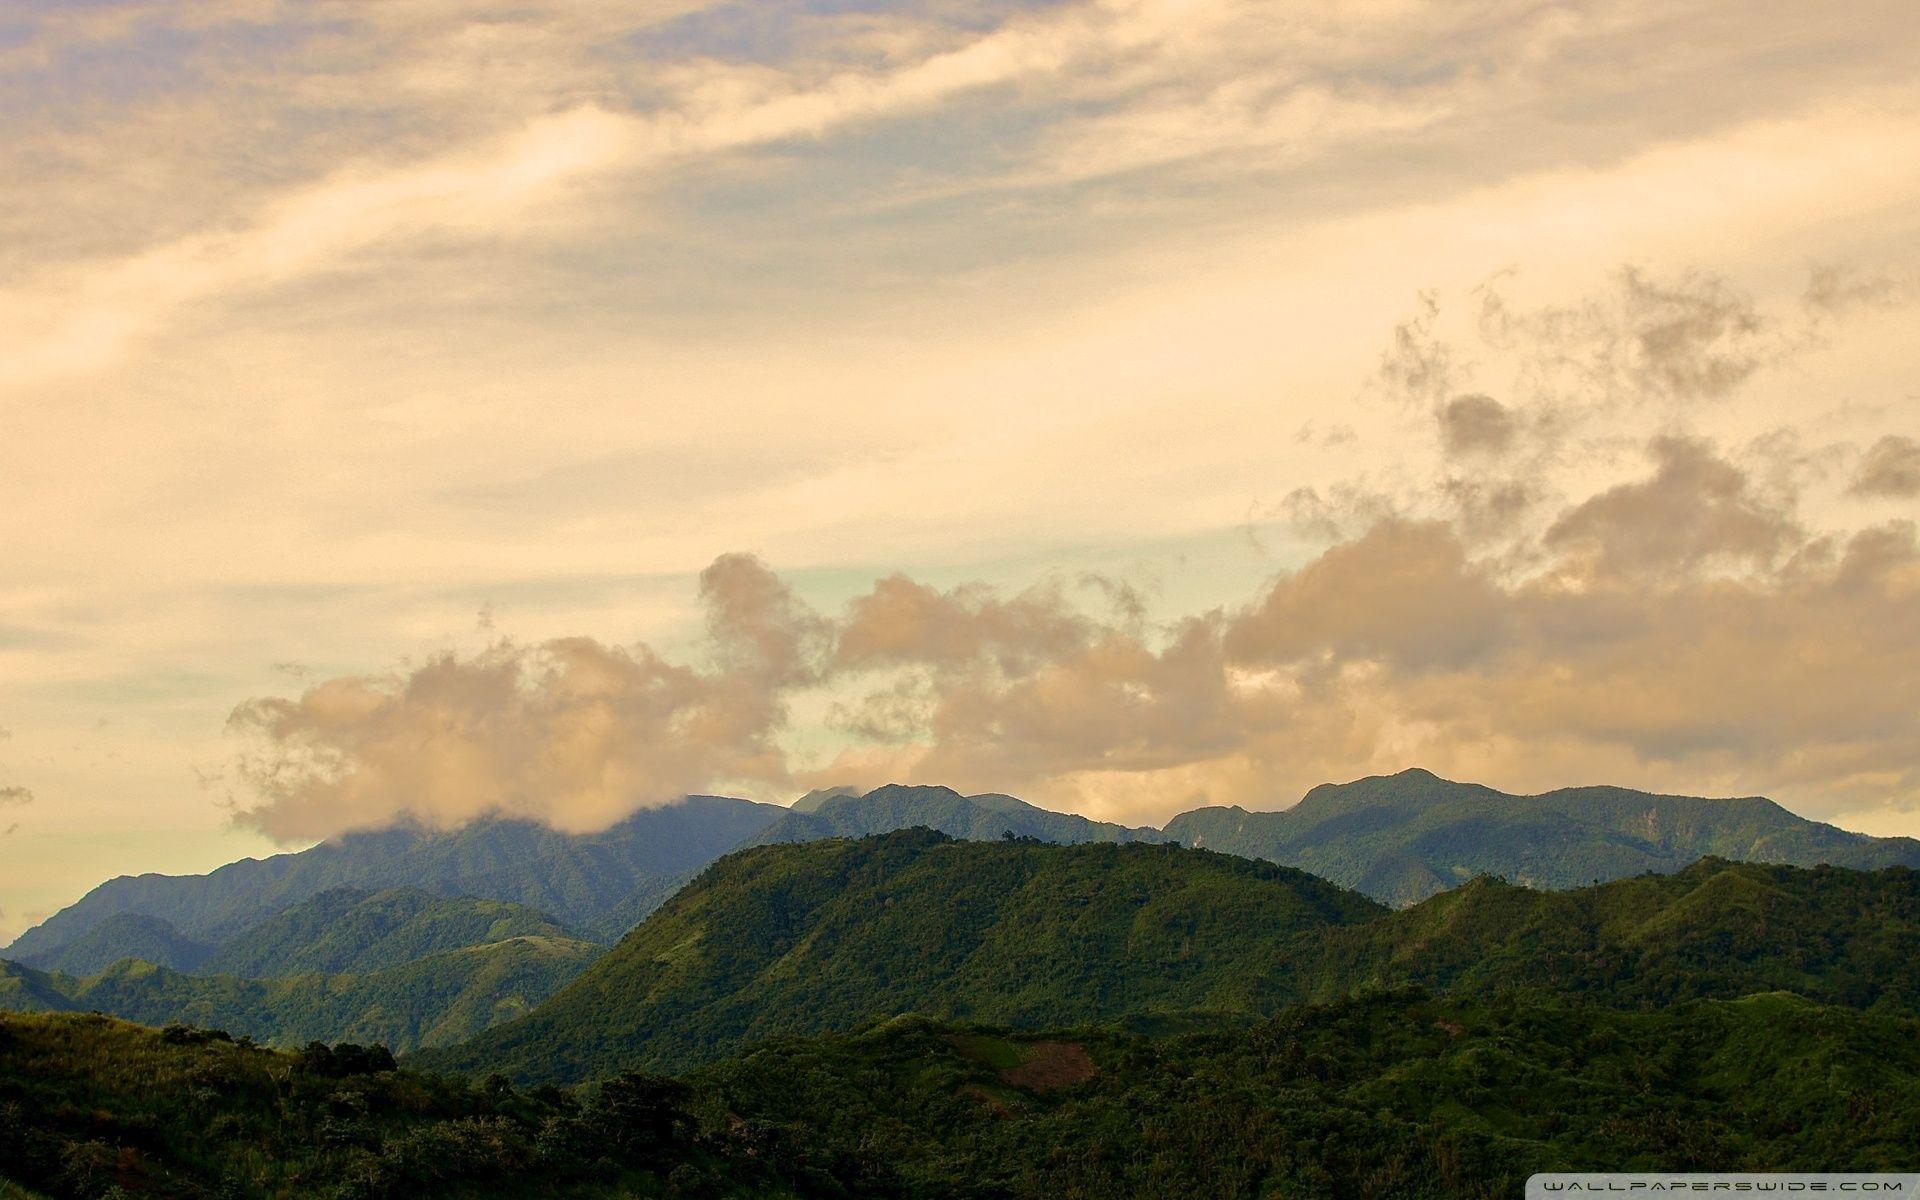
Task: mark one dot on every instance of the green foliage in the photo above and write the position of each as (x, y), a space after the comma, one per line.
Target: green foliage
(1388, 1094)
(349, 930)
(1391, 1093)
(823, 935)
(438, 1000)
(1715, 929)
(1401, 838)
(123, 935)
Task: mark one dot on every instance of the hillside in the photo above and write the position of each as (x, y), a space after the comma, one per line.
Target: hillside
(1716, 929)
(123, 935)
(350, 930)
(437, 1000)
(838, 812)
(577, 879)
(23, 989)
(1384, 1095)
(1401, 838)
(822, 935)
(819, 936)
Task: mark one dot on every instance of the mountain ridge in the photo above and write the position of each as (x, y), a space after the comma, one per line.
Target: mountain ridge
(801, 938)
(577, 879)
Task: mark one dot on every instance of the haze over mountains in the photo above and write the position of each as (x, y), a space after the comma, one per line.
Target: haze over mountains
(599, 883)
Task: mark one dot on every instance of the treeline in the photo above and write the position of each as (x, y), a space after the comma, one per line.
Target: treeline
(1388, 1094)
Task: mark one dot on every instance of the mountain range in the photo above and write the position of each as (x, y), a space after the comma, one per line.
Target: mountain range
(307, 945)
(1400, 838)
(827, 935)
(599, 883)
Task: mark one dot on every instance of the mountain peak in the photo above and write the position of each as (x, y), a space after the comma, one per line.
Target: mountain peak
(812, 801)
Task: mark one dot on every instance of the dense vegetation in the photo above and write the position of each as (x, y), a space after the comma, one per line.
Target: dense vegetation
(1397, 838)
(123, 935)
(1388, 1094)
(589, 882)
(843, 813)
(1402, 838)
(823, 935)
(352, 930)
(1714, 929)
(434, 1001)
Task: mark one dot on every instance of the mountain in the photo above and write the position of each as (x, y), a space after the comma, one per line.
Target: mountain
(818, 796)
(1387, 1094)
(436, 1000)
(123, 935)
(1401, 838)
(839, 812)
(350, 930)
(581, 880)
(1715, 929)
(822, 935)
(24, 989)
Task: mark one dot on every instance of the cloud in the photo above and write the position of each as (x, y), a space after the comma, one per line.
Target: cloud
(1579, 586)
(571, 731)
(1891, 467)
(1696, 510)
(15, 796)
(1475, 424)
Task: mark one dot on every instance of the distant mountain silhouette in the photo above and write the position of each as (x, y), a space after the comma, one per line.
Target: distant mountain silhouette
(123, 935)
(839, 812)
(598, 883)
(1400, 838)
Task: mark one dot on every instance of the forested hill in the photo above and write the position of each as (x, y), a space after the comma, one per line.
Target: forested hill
(436, 1000)
(1397, 838)
(1400, 838)
(1384, 1095)
(822, 935)
(348, 929)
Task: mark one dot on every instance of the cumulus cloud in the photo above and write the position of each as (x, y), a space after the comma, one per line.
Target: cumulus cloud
(1695, 510)
(1891, 467)
(1557, 599)
(15, 796)
(571, 731)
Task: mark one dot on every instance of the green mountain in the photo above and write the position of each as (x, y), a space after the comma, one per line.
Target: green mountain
(24, 989)
(1401, 838)
(437, 1000)
(1390, 1094)
(1716, 929)
(349, 930)
(580, 880)
(123, 935)
(839, 812)
(822, 935)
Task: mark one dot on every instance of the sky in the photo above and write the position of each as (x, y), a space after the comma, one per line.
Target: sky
(423, 410)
